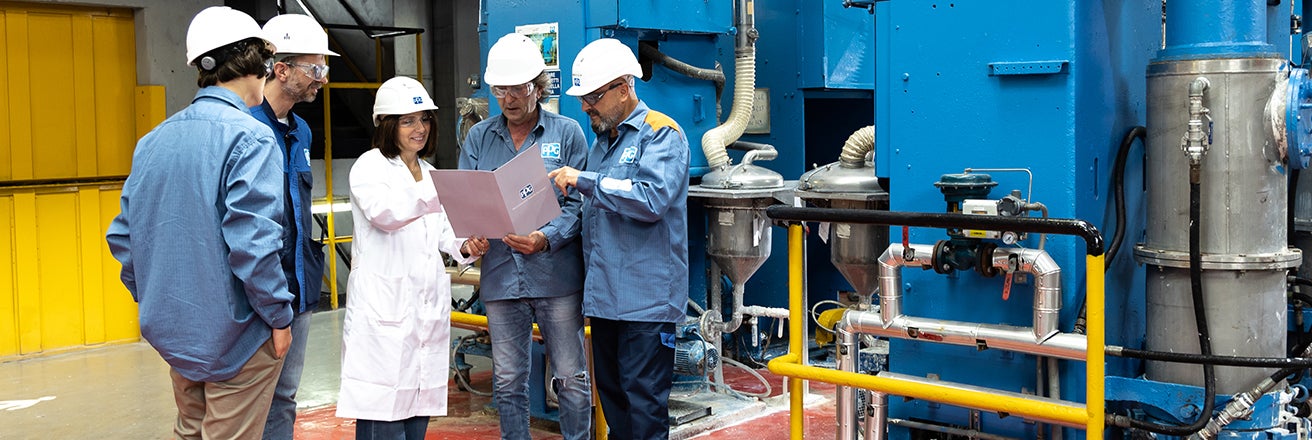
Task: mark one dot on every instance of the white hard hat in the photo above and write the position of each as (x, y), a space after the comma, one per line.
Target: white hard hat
(297, 34)
(401, 96)
(514, 60)
(218, 26)
(601, 62)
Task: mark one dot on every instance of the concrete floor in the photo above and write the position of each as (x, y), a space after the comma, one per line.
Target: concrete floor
(123, 392)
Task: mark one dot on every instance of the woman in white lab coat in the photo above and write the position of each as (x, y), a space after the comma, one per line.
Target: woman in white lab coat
(397, 331)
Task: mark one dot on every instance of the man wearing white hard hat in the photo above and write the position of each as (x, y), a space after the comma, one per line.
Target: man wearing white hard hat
(540, 274)
(635, 244)
(199, 235)
(298, 75)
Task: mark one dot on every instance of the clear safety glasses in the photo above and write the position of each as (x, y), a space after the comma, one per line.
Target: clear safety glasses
(317, 71)
(413, 121)
(518, 91)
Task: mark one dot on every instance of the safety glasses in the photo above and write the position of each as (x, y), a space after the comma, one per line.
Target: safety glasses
(519, 91)
(592, 98)
(316, 71)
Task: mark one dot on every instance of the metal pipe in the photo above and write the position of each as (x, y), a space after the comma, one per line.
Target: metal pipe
(1043, 338)
(877, 416)
(999, 336)
(845, 406)
(1193, 144)
(890, 274)
(968, 433)
(1092, 238)
(1095, 370)
(1047, 285)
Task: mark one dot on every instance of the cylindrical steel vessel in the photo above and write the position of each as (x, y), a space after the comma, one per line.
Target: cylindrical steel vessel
(1243, 209)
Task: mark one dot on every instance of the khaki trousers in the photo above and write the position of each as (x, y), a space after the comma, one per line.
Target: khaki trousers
(232, 409)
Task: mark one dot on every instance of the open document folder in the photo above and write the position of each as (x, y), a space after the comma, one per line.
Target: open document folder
(515, 198)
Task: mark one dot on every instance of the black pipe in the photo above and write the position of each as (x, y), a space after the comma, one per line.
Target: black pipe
(1228, 361)
(1200, 318)
(1092, 238)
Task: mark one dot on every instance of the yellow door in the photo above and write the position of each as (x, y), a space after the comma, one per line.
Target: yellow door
(68, 123)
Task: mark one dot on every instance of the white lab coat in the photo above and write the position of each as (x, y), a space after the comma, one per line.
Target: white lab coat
(397, 331)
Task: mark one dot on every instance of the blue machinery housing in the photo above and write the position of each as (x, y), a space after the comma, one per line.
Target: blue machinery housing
(1178, 130)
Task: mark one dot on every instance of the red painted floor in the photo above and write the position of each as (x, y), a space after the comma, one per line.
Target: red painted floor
(469, 419)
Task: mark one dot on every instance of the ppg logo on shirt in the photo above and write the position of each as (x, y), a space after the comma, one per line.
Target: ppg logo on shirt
(551, 150)
(526, 191)
(630, 154)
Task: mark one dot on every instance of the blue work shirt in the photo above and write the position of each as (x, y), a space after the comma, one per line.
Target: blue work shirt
(199, 235)
(558, 270)
(635, 221)
(302, 255)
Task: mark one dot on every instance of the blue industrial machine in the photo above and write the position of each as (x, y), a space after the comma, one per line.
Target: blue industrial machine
(1176, 128)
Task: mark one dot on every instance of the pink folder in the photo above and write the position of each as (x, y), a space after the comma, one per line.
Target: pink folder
(515, 198)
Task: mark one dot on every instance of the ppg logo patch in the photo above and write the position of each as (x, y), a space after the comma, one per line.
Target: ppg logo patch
(630, 154)
(419, 100)
(576, 81)
(526, 191)
(551, 150)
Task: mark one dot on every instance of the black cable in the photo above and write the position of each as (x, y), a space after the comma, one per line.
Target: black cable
(1200, 319)
(1118, 183)
(1118, 193)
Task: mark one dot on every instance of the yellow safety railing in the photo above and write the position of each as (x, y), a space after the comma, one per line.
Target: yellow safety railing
(1091, 417)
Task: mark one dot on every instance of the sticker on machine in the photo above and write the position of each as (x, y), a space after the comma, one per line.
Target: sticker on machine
(545, 35)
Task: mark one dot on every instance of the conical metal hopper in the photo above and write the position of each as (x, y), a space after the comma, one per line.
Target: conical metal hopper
(740, 235)
(854, 248)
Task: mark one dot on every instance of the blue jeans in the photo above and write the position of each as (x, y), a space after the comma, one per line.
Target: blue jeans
(405, 429)
(510, 324)
(282, 414)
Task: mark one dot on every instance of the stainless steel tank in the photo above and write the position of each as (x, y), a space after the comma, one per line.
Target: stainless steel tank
(735, 200)
(1243, 209)
(854, 248)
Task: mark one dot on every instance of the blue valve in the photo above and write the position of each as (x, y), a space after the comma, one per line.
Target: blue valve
(1298, 119)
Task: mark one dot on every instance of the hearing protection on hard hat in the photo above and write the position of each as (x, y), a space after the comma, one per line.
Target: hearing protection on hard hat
(215, 27)
(297, 34)
(513, 60)
(601, 62)
(401, 96)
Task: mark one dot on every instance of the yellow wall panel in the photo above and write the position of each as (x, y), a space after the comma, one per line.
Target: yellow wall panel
(88, 253)
(26, 287)
(6, 145)
(115, 79)
(54, 118)
(60, 283)
(69, 108)
(16, 66)
(8, 290)
(120, 310)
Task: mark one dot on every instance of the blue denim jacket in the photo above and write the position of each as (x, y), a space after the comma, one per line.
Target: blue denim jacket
(558, 270)
(199, 235)
(635, 221)
(302, 255)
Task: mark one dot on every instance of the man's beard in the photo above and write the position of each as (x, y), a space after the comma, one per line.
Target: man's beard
(604, 124)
